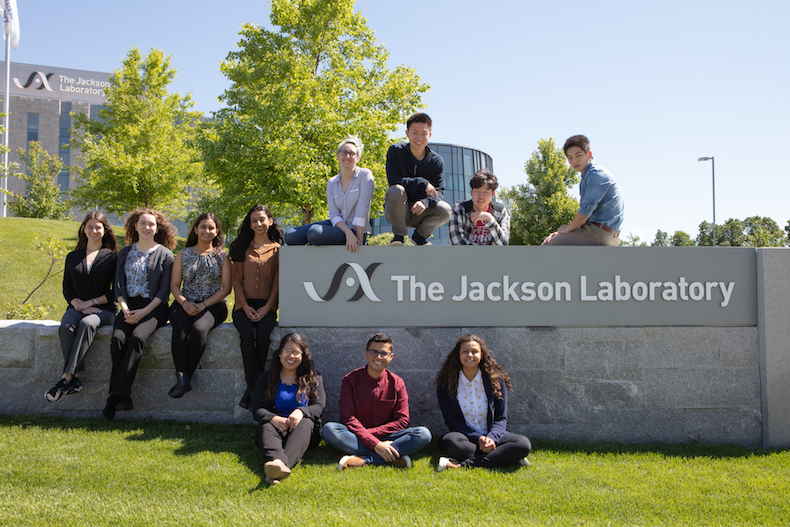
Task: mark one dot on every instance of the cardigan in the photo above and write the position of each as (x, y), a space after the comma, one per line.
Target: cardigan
(497, 412)
(83, 285)
(160, 265)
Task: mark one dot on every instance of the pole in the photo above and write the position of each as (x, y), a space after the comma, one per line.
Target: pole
(713, 179)
(6, 101)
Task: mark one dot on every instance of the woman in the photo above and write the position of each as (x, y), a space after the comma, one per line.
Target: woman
(199, 302)
(255, 254)
(142, 289)
(87, 286)
(472, 391)
(290, 391)
(348, 197)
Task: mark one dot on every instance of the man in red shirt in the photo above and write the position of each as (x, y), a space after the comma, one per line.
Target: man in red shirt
(374, 414)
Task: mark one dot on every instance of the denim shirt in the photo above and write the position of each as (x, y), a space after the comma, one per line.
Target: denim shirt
(601, 200)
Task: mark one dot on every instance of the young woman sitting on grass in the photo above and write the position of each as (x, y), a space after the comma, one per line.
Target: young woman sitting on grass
(87, 286)
(200, 281)
(287, 403)
(472, 392)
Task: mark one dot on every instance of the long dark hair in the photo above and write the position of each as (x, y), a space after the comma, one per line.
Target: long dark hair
(245, 235)
(165, 232)
(108, 240)
(448, 376)
(306, 376)
(192, 238)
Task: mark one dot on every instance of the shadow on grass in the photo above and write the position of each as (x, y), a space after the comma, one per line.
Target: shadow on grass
(682, 450)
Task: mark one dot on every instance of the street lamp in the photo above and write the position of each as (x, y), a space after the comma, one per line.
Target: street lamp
(713, 176)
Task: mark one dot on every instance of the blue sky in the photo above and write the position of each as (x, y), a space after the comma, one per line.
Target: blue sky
(654, 85)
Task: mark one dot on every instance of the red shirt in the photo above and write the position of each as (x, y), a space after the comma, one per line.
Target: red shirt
(480, 235)
(373, 408)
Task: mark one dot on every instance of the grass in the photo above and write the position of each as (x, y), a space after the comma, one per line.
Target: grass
(91, 472)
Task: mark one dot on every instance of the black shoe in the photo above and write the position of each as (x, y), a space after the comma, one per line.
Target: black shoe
(74, 386)
(417, 239)
(109, 408)
(56, 391)
(245, 400)
(181, 387)
(124, 403)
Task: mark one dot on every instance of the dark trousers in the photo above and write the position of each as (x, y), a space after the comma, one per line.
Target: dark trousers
(128, 341)
(76, 335)
(511, 448)
(289, 447)
(255, 341)
(190, 334)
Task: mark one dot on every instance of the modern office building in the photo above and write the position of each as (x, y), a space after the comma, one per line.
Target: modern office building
(460, 164)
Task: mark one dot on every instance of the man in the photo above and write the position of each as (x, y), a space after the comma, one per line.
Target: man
(416, 178)
(601, 206)
(374, 414)
(478, 221)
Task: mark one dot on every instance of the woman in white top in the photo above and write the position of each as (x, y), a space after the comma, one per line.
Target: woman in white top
(348, 196)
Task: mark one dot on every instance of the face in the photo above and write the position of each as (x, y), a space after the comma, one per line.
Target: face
(578, 158)
(470, 355)
(206, 230)
(94, 230)
(376, 362)
(291, 356)
(348, 156)
(418, 135)
(260, 222)
(146, 226)
(482, 196)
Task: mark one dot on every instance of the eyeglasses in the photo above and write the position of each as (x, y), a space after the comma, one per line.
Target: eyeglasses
(291, 353)
(379, 353)
(347, 153)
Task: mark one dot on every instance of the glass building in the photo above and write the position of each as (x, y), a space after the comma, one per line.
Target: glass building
(460, 164)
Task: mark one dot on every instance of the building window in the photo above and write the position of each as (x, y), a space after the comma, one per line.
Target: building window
(65, 137)
(32, 127)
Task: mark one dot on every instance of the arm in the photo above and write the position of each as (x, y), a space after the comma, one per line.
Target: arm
(401, 171)
(159, 277)
(500, 232)
(498, 427)
(453, 417)
(68, 284)
(459, 226)
(272, 303)
(317, 403)
(262, 409)
(238, 285)
(399, 418)
(348, 415)
(334, 213)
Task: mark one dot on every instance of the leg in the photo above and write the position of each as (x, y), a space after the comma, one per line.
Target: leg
(323, 233)
(587, 234)
(263, 330)
(405, 442)
(297, 235)
(81, 337)
(457, 446)
(511, 448)
(396, 209)
(432, 218)
(297, 442)
(270, 442)
(247, 339)
(204, 322)
(126, 359)
(182, 323)
(340, 437)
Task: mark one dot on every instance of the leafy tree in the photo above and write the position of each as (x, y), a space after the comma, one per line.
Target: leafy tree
(632, 241)
(538, 208)
(139, 153)
(297, 91)
(42, 193)
(763, 232)
(661, 239)
(681, 239)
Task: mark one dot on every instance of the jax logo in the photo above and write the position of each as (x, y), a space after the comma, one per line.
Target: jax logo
(39, 78)
(363, 277)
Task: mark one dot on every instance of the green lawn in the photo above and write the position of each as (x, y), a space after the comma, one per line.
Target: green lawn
(91, 472)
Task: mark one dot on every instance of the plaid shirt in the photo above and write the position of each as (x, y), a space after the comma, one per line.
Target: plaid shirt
(461, 225)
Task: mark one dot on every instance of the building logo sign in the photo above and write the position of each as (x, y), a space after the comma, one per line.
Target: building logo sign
(61, 83)
(363, 281)
(37, 77)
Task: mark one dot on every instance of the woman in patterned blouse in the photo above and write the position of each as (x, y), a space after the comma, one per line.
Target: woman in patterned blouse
(472, 391)
(200, 281)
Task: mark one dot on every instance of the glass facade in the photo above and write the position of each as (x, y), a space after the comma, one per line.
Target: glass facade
(32, 127)
(64, 138)
(460, 164)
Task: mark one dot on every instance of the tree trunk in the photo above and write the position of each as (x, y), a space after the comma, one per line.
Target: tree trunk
(307, 213)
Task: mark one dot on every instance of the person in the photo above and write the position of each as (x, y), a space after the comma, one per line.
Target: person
(88, 276)
(480, 221)
(472, 392)
(142, 289)
(374, 414)
(200, 281)
(348, 196)
(600, 207)
(255, 254)
(287, 404)
(416, 185)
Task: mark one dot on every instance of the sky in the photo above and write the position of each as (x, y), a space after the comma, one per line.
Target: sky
(654, 85)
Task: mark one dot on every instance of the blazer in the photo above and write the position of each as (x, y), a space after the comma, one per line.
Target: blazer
(79, 283)
(263, 409)
(497, 412)
(160, 265)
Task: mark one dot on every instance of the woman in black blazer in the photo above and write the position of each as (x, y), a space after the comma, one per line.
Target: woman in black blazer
(87, 286)
(142, 289)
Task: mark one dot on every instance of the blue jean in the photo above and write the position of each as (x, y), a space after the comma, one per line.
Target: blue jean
(404, 441)
(319, 233)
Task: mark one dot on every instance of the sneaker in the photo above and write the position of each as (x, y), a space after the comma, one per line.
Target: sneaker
(442, 465)
(276, 469)
(350, 462)
(524, 462)
(402, 462)
(56, 391)
(397, 240)
(74, 386)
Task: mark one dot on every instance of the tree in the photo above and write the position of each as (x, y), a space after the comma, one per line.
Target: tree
(681, 239)
(539, 208)
(295, 93)
(661, 239)
(763, 232)
(139, 153)
(633, 241)
(42, 193)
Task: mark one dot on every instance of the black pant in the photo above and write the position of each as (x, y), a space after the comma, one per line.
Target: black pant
(190, 334)
(128, 341)
(76, 335)
(511, 448)
(255, 341)
(289, 447)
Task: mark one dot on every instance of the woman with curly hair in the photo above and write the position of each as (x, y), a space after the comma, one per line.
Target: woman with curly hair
(142, 289)
(256, 271)
(200, 281)
(290, 391)
(87, 285)
(472, 391)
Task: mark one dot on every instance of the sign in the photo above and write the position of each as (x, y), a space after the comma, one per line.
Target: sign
(476, 286)
(30, 80)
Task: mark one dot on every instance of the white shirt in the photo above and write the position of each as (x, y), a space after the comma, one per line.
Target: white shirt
(473, 401)
(353, 205)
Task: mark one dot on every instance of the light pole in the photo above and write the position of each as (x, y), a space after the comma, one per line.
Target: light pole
(713, 177)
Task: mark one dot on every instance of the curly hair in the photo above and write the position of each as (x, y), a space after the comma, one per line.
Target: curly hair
(245, 235)
(192, 238)
(108, 240)
(447, 378)
(306, 376)
(165, 232)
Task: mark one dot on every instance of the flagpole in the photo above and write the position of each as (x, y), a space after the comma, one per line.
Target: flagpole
(6, 100)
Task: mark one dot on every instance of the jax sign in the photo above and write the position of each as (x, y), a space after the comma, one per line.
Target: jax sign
(517, 286)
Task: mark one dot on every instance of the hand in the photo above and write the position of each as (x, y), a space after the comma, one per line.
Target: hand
(191, 308)
(565, 229)
(486, 444)
(430, 191)
(251, 313)
(352, 242)
(133, 316)
(485, 217)
(294, 419)
(80, 305)
(386, 451)
(261, 313)
(418, 208)
(90, 310)
(548, 238)
(280, 423)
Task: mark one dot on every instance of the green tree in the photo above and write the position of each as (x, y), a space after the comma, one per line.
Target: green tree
(681, 239)
(139, 152)
(661, 239)
(42, 197)
(539, 208)
(763, 232)
(297, 91)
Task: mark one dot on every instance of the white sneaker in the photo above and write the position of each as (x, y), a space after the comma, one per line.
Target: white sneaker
(443, 463)
(524, 462)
